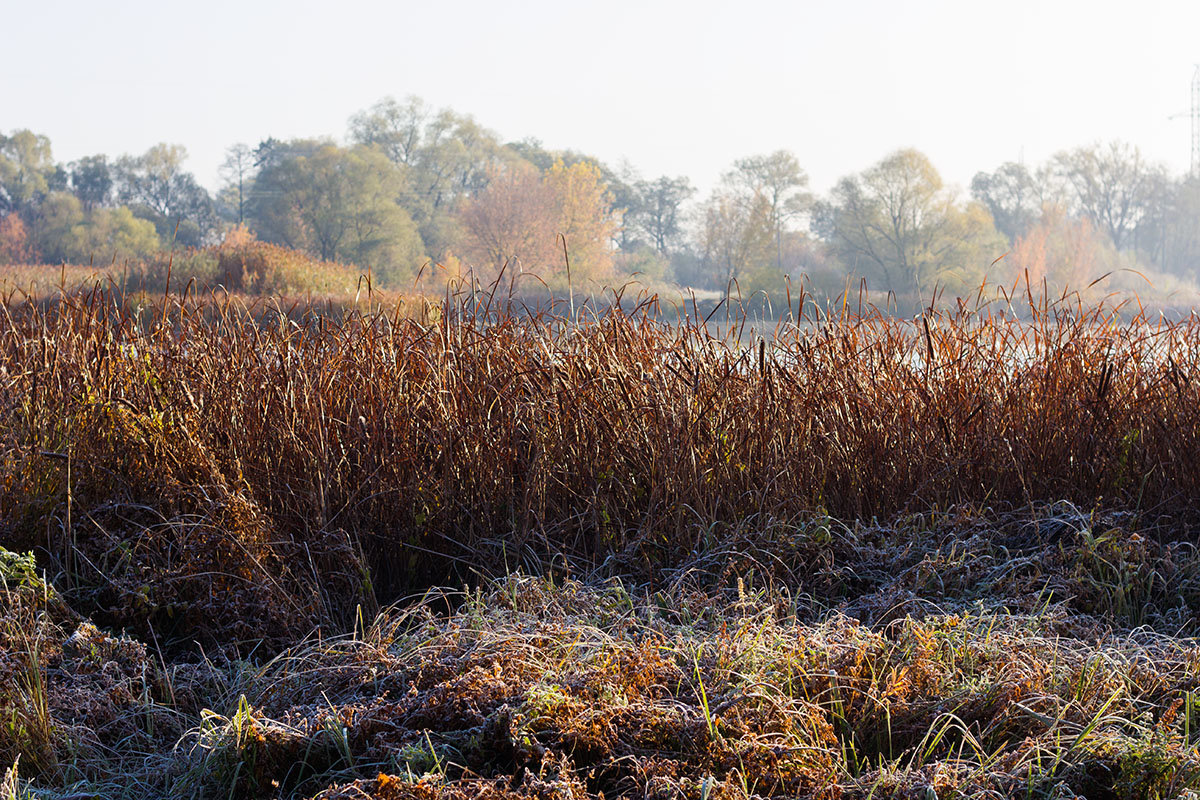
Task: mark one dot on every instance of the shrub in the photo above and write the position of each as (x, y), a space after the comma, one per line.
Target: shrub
(261, 268)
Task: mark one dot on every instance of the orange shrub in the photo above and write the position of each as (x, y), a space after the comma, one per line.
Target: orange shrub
(15, 247)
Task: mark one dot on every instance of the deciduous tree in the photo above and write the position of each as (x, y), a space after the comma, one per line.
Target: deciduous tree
(339, 204)
(1011, 196)
(157, 188)
(396, 127)
(92, 181)
(736, 236)
(26, 170)
(238, 171)
(1112, 184)
(777, 181)
(896, 224)
(583, 208)
(15, 247)
(109, 235)
(51, 225)
(1065, 251)
(445, 157)
(512, 222)
(659, 210)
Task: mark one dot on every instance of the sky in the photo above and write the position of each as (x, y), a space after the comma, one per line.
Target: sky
(675, 88)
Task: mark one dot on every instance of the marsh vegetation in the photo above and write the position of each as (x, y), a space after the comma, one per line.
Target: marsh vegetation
(469, 548)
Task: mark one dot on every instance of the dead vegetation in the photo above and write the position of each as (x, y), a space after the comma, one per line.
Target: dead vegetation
(861, 557)
(529, 689)
(724, 682)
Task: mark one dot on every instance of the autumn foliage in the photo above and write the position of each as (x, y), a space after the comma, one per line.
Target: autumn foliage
(15, 247)
(517, 221)
(1063, 250)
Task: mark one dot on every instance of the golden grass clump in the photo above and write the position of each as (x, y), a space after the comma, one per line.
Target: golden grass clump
(247, 265)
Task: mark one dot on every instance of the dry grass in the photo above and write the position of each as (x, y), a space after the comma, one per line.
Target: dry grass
(821, 563)
(40, 281)
(568, 692)
(529, 689)
(240, 265)
(956, 671)
(492, 439)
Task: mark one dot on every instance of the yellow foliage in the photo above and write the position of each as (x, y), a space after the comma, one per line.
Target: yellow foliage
(584, 218)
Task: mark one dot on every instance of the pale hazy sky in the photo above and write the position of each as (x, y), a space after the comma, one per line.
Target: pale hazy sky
(674, 87)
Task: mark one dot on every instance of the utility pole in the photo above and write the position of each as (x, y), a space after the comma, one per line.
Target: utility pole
(1196, 122)
(1194, 115)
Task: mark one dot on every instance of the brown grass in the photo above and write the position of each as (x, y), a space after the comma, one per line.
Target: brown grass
(240, 265)
(824, 562)
(492, 439)
(533, 690)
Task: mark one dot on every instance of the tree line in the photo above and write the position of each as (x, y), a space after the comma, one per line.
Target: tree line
(412, 190)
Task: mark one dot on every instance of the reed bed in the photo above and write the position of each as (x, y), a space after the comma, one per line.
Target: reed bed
(852, 555)
(368, 455)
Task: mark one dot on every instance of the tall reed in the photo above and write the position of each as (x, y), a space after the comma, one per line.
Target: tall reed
(360, 455)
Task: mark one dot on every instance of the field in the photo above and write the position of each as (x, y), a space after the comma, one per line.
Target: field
(309, 549)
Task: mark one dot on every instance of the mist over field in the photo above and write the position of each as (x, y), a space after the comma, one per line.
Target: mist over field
(925, 150)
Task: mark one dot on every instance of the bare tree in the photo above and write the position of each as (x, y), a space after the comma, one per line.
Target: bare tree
(1112, 185)
(238, 169)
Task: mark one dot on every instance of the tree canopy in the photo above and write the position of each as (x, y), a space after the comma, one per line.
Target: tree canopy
(897, 224)
(412, 184)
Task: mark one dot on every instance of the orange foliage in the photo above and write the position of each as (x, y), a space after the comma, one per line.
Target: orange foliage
(1063, 251)
(512, 222)
(518, 218)
(435, 276)
(15, 247)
